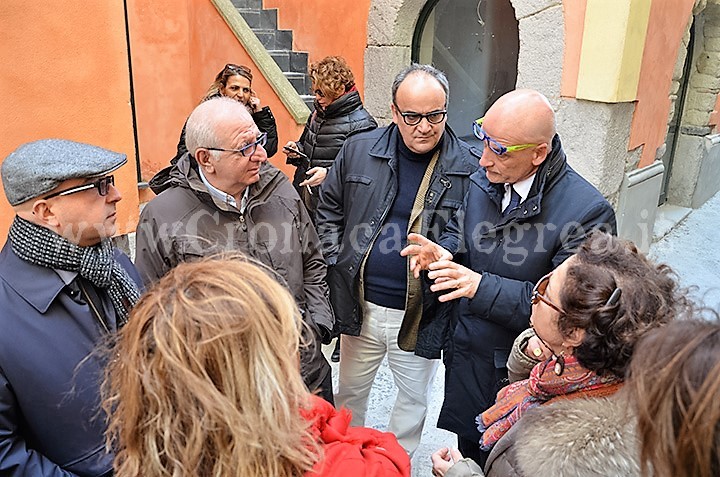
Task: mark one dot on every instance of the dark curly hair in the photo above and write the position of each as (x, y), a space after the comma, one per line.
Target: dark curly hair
(649, 297)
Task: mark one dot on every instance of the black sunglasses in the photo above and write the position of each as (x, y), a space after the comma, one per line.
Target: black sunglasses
(102, 185)
(413, 119)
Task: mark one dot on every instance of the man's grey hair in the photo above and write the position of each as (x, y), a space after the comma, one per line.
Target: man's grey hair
(201, 127)
(417, 68)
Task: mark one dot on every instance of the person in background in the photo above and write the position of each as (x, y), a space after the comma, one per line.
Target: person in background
(64, 288)
(566, 419)
(235, 82)
(339, 112)
(674, 385)
(205, 381)
(223, 195)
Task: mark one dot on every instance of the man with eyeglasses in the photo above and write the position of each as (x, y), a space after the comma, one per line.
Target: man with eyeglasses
(409, 176)
(63, 289)
(526, 212)
(223, 195)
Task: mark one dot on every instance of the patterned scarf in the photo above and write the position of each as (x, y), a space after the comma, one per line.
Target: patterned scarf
(542, 386)
(97, 264)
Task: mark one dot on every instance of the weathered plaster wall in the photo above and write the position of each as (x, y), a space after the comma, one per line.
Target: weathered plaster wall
(177, 49)
(327, 27)
(65, 75)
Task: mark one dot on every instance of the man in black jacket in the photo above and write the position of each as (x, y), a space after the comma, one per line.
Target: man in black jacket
(410, 176)
(526, 212)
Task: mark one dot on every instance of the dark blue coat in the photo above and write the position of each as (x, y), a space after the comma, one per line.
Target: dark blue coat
(512, 253)
(50, 421)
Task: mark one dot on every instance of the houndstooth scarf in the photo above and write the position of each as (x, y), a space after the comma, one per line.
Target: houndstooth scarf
(96, 264)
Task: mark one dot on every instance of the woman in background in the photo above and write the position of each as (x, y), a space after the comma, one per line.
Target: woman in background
(674, 388)
(339, 112)
(206, 381)
(235, 81)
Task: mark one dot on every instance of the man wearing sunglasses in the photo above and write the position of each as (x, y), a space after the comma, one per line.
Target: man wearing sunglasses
(526, 212)
(223, 195)
(409, 176)
(63, 289)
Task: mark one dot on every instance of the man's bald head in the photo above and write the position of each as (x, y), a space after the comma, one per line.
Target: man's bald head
(209, 117)
(527, 113)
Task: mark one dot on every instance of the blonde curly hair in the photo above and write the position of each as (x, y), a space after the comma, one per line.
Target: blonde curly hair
(205, 379)
(332, 76)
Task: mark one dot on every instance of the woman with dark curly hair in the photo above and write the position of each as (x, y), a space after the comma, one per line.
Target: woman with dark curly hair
(587, 317)
(339, 112)
(205, 381)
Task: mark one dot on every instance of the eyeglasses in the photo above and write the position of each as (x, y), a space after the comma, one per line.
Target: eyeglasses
(495, 146)
(319, 93)
(245, 151)
(413, 119)
(538, 294)
(240, 70)
(102, 185)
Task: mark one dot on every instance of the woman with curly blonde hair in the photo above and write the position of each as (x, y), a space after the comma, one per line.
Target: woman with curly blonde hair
(339, 112)
(206, 381)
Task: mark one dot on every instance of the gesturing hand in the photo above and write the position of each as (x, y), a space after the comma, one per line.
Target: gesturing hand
(448, 275)
(422, 253)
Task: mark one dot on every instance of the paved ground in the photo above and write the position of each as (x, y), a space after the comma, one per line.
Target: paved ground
(690, 248)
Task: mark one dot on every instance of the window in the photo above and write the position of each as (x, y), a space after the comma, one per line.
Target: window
(476, 43)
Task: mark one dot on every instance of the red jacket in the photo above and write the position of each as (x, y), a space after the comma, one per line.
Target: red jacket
(350, 451)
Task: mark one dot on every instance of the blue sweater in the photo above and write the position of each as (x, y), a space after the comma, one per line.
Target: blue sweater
(385, 269)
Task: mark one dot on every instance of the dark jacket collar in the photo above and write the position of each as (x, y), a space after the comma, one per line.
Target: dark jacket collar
(37, 285)
(386, 148)
(342, 106)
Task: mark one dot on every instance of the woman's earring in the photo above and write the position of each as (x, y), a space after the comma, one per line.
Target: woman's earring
(559, 364)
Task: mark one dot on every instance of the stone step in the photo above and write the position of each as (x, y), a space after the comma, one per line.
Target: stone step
(260, 19)
(290, 61)
(299, 81)
(248, 4)
(275, 39)
(309, 101)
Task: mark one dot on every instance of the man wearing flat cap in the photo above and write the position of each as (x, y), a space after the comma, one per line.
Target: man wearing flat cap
(63, 289)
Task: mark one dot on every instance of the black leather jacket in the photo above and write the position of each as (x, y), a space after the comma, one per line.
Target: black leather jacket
(354, 200)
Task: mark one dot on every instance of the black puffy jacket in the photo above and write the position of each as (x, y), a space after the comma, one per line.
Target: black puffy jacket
(324, 135)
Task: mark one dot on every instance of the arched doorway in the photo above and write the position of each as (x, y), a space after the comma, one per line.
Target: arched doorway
(476, 44)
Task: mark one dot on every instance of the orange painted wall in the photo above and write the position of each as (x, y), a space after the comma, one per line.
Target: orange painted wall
(668, 21)
(574, 18)
(327, 27)
(177, 48)
(65, 75)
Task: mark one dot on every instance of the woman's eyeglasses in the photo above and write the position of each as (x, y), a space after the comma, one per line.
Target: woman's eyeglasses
(245, 151)
(102, 185)
(538, 294)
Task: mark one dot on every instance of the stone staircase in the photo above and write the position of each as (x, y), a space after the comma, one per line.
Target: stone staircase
(278, 43)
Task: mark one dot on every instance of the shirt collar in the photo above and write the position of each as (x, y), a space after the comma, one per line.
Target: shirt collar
(521, 187)
(224, 196)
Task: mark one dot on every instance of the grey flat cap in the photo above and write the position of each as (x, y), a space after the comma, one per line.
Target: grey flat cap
(38, 167)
